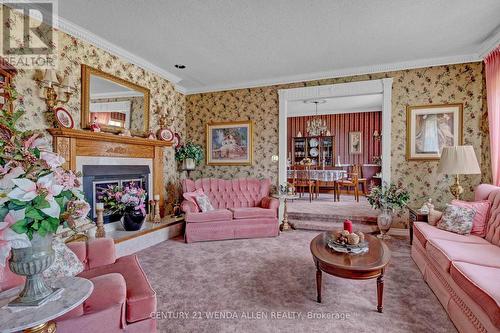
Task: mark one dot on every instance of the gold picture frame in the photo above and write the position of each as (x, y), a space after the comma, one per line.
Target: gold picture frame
(355, 143)
(429, 128)
(229, 143)
(87, 71)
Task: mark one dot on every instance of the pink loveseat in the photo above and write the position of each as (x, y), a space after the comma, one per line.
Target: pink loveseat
(464, 271)
(243, 209)
(122, 299)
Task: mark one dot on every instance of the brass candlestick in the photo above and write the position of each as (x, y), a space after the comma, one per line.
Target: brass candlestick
(151, 210)
(99, 231)
(157, 217)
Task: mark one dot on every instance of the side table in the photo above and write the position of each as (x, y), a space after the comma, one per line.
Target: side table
(285, 226)
(415, 215)
(39, 319)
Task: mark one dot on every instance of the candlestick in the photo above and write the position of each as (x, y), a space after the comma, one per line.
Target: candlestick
(157, 197)
(348, 226)
(99, 231)
(157, 217)
(151, 210)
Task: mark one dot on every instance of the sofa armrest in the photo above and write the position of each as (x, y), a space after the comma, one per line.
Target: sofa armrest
(189, 207)
(109, 290)
(270, 203)
(95, 253)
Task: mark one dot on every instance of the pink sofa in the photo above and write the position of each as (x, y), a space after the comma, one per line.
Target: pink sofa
(464, 271)
(243, 209)
(122, 299)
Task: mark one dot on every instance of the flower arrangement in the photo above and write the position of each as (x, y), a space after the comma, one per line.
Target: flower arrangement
(36, 193)
(189, 150)
(388, 197)
(118, 199)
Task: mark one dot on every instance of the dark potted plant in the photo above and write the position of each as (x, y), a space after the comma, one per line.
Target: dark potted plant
(190, 155)
(129, 201)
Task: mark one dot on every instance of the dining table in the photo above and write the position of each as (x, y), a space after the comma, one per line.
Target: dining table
(322, 178)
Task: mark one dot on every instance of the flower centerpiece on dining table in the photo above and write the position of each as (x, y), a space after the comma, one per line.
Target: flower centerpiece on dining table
(129, 201)
(37, 195)
(388, 199)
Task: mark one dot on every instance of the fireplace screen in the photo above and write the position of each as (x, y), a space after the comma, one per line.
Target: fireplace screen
(97, 178)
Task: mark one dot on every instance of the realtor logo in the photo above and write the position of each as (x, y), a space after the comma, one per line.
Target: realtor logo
(28, 37)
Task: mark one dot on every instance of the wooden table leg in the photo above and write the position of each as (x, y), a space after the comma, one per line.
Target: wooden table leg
(318, 283)
(380, 291)
(411, 231)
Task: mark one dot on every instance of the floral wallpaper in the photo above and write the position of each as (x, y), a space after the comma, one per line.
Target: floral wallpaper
(463, 83)
(165, 102)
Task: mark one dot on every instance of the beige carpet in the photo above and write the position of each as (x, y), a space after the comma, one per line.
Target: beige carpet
(268, 285)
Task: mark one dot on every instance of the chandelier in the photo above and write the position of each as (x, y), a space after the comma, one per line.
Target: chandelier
(316, 126)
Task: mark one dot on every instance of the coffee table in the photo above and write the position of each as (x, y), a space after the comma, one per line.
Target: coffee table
(364, 266)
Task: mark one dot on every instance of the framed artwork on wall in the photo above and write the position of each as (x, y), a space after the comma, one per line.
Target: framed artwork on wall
(355, 143)
(429, 128)
(230, 143)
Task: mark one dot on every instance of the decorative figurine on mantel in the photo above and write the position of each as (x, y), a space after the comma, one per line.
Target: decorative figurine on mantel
(151, 135)
(94, 127)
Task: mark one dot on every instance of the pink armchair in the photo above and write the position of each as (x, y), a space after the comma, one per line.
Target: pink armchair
(243, 209)
(122, 300)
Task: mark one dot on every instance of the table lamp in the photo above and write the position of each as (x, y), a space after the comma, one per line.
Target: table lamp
(458, 160)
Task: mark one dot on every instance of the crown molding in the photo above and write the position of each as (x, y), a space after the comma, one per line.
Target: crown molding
(390, 67)
(491, 43)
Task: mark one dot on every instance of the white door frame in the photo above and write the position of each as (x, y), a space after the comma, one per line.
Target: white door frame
(381, 86)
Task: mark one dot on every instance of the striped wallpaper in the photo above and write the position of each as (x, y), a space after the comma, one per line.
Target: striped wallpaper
(340, 125)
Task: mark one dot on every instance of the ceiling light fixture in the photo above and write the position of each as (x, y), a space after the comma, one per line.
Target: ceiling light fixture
(179, 66)
(316, 126)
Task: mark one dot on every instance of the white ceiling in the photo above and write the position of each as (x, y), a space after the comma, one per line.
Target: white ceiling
(336, 105)
(229, 44)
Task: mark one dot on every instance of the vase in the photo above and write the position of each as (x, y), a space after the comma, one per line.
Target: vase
(132, 220)
(384, 222)
(31, 262)
(188, 164)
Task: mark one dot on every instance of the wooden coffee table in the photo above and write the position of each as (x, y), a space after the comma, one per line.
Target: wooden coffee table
(365, 266)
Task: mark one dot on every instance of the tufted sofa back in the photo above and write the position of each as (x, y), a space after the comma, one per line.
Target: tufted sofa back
(492, 194)
(243, 192)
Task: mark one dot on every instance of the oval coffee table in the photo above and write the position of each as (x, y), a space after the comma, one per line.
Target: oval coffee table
(364, 266)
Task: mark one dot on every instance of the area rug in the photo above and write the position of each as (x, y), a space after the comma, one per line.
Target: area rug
(268, 285)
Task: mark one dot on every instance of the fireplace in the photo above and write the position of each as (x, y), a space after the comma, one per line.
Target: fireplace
(96, 178)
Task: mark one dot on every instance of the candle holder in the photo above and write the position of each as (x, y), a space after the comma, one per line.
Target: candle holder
(99, 231)
(151, 210)
(157, 217)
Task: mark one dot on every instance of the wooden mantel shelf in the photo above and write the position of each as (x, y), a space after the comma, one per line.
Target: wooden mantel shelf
(107, 137)
(72, 143)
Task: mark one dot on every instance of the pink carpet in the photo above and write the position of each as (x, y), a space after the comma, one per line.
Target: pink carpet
(268, 285)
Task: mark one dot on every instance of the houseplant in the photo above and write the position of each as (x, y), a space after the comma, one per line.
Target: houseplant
(190, 155)
(388, 199)
(129, 201)
(36, 196)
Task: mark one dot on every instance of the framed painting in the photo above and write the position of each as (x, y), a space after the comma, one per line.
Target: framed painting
(429, 128)
(355, 143)
(230, 143)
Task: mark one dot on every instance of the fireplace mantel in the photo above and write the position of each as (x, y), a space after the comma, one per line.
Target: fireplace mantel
(70, 143)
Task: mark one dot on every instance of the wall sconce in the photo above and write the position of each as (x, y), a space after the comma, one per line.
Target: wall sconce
(51, 90)
(377, 136)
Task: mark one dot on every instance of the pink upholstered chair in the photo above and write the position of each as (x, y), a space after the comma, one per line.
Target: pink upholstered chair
(122, 299)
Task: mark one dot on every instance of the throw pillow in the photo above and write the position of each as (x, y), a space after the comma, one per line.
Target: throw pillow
(480, 219)
(204, 203)
(457, 219)
(66, 263)
(434, 216)
(191, 196)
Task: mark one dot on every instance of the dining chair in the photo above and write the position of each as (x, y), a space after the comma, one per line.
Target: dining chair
(361, 180)
(350, 180)
(302, 180)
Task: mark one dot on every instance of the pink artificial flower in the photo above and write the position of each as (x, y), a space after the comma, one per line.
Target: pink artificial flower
(52, 159)
(142, 208)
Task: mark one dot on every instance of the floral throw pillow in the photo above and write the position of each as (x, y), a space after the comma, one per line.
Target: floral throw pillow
(66, 263)
(457, 219)
(204, 203)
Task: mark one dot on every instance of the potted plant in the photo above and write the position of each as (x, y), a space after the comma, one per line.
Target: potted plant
(36, 196)
(129, 201)
(190, 155)
(388, 199)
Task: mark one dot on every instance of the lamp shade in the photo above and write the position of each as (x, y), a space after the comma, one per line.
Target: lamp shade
(50, 77)
(458, 160)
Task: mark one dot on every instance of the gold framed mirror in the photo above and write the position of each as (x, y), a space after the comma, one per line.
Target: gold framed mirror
(115, 104)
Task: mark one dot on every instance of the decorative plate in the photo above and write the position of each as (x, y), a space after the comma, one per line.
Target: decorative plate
(313, 143)
(165, 134)
(177, 140)
(361, 247)
(314, 152)
(63, 118)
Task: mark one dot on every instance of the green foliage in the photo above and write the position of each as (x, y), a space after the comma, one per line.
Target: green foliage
(388, 197)
(189, 150)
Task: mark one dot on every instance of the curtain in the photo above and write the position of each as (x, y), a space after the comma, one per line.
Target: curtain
(492, 64)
